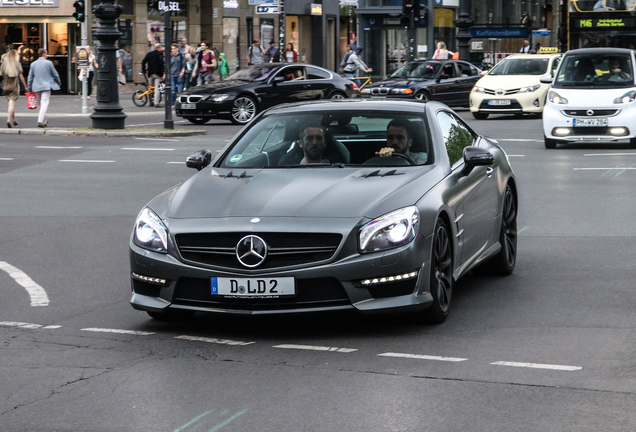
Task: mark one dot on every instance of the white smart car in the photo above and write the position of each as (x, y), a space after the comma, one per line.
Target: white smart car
(513, 86)
(592, 98)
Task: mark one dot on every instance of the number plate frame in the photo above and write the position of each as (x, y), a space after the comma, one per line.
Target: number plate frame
(590, 122)
(188, 106)
(253, 287)
(499, 102)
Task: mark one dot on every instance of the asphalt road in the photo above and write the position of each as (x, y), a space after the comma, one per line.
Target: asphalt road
(550, 348)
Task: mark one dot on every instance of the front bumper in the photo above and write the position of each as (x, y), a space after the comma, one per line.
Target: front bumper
(333, 284)
(531, 102)
(206, 109)
(559, 123)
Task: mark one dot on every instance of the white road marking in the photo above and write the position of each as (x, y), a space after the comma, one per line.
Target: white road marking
(516, 155)
(157, 139)
(52, 327)
(6, 158)
(19, 324)
(537, 366)
(118, 331)
(315, 348)
(87, 160)
(422, 357)
(610, 154)
(604, 169)
(148, 149)
(36, 292)
(181, 163)
(213, 340)
(59, 147)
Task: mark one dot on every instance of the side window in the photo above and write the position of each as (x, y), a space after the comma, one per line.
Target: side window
(315, 73)
(467, 69)
(555, 64)
(449, 69)
(292, 73)
(456, 135)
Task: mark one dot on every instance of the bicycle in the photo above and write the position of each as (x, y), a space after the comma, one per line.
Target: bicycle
(364, 81)
(140, 98)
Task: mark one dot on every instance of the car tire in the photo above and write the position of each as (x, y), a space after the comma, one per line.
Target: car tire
(480, 116)
(198, 120)
(441, 274)
(549, 143)
(632, 143)
(337, 95)
(503, 263)
(172, 315)
(243, 110)
(139, 98)
(422, 96)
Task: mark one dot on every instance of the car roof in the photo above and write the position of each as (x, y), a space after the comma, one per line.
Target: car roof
(532, 56)
(599, 50)
(415, 107)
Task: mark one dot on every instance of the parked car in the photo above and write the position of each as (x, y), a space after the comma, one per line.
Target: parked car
(592, 98)
(249, 91)
(256, 231)
(448, 81)
(513, 86)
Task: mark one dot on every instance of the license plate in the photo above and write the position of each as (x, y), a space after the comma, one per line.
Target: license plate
(188, 106)
(499, 102)
(590, 122)
(253, 287)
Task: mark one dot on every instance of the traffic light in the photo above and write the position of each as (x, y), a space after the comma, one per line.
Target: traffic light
(80, 10)
(408, 6)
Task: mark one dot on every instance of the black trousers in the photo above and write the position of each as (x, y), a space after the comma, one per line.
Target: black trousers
(89, 82)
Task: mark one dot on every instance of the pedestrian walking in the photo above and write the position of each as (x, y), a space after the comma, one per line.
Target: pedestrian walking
(355, 64)
(224, 67)
(184, 46)
(11, 71)
(153, 66)
(177, 71)
(290, 54)
(42, 79)
(127, 62)
(255, 54)
(273, 52)
(189, 58)
(90, 73)
(441, 52)
(206, 63)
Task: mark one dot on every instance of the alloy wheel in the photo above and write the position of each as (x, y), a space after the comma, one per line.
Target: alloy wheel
(442, 268)
(510, 228)
(243, 110)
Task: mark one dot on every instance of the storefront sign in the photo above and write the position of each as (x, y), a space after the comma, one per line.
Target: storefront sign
(499, 32)
(173, 6)
(316, 9)
(349, 3)
(263, 2)
(230, 4)
(29, 3)
(604, 23)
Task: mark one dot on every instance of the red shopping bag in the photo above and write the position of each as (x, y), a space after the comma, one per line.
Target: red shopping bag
(32, 102)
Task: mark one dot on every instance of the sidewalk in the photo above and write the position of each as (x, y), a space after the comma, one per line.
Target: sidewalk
(70, 107)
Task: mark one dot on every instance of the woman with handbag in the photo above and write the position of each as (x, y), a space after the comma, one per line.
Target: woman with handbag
(11, 71)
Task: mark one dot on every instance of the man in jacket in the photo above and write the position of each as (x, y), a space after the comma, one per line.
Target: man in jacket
(153, 66)
(177, 70)
(42, 79)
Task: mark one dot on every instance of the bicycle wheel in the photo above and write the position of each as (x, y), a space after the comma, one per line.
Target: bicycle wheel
(140, 98)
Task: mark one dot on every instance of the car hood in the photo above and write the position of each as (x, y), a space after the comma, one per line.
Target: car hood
(506, 82)
(300, 192)
(399, 83)
(591, 98)
(216, 87)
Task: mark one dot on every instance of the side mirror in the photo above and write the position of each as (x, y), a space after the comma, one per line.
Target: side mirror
(441, 77)
(546, 79)
(476, 156)
(278, 79)
(484, 72)
(199, 160)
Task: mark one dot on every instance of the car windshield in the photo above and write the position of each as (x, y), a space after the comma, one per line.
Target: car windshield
(252, 73)
(595, 70)
(524, 66)
(425, 70)
(327, 140)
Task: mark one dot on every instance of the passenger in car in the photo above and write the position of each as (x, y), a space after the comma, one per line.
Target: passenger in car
(399, 139)
(616, 73)
(312, 141)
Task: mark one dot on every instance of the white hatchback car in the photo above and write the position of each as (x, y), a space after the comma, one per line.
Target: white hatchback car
(592, 98)
(513, 86)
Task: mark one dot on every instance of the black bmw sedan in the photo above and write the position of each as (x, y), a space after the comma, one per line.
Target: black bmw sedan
(448, 81)
(249, 91)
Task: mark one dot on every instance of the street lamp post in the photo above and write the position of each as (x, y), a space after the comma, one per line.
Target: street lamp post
(108, 112)
(463, 23)
(168, 123)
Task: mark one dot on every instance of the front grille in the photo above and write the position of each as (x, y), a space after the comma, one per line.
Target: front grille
(145, 288)
(320, 292)
(393, 289)
(284, 249)
(190, 98)
(583, 112)
(380, 91)
(505, 92)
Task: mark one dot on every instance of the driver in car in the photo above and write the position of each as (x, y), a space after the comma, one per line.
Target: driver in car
(312, 141)
(398, 139)
(616, 74)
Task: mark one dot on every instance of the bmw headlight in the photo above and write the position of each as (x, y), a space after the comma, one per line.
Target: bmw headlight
(218, 97)
(390, 231)
(555, 98)
(626, 98)
(401, 91)
(530, 89)
(150, 232)
(479, 89)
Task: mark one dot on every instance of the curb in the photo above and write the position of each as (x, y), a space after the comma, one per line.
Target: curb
(118, 133)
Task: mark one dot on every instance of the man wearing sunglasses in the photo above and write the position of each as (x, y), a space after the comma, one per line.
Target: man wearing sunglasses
(399, 139)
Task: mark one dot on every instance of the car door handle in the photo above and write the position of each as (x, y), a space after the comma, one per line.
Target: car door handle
(307, 86)
(489, 171)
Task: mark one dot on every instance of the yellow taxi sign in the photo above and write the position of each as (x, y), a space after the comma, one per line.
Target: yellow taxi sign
(549, 50)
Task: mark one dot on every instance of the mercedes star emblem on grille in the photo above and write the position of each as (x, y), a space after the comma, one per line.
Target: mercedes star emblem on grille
(251, 251)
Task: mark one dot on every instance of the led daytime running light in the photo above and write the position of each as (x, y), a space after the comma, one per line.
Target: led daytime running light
(148, 279)
(387, 279)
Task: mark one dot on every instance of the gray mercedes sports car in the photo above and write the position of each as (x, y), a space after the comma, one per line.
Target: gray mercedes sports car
(378, 206)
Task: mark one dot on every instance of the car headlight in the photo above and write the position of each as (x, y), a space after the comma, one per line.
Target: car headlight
(530, 89)
(365, 91)
(390, 231)
(555, 98)
(479, 89)
(626, 98)
(150, 232)
(218, 97)
(401, 91)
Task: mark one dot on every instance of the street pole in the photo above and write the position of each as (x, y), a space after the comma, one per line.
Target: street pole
(281, 30)
(410, 34)
(430, 29)
(85, 80)
(107, 113)
(463, 23)
(168, 123)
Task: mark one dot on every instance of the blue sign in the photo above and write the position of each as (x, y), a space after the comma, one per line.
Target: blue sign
(499, 32)
(264, 2)
(267, 9)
